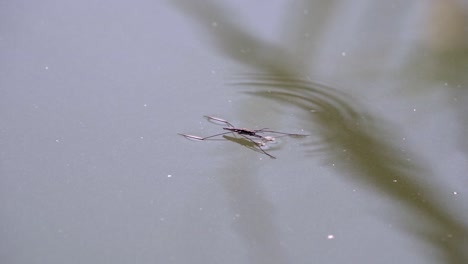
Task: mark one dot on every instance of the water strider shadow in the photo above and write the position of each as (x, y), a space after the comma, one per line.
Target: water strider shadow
(244, 142)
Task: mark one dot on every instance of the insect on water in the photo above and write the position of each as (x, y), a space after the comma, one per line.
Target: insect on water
(254, 136)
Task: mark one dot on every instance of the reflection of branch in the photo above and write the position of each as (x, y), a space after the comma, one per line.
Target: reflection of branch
(360, 146)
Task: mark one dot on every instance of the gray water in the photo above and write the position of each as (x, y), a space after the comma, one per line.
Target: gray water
(94, 94)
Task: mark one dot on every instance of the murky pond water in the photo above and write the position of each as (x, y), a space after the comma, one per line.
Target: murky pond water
(95, 94)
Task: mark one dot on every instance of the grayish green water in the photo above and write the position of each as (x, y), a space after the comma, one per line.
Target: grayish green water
(93, 95)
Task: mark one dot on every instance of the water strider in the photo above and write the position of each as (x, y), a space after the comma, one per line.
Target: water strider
(248, 134)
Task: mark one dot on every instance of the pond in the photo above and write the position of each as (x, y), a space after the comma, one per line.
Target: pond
(95, 96)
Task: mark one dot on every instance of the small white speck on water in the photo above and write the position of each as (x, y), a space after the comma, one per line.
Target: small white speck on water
(145, 105)
(404, 139)
(330, 237)
(455, 193)
(395, 180)
(414, 109)
(141, 137)
(57, 140)
(343, 54)
(169, 175)
(46, 67)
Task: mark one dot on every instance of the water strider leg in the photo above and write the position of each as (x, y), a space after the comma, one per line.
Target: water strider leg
(211, 118)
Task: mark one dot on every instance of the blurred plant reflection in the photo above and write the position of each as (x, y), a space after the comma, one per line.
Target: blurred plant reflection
(347, 131)
(355, 138)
